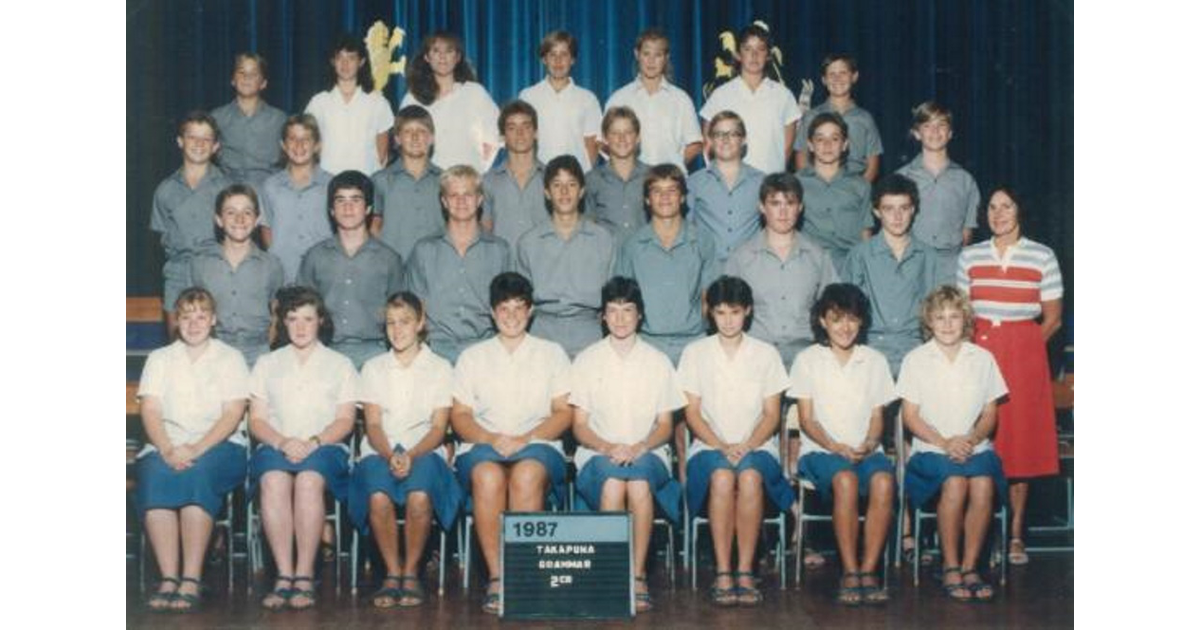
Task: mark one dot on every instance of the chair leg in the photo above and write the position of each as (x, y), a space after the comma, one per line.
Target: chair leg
(354, 562)
(916, 563)
(781, 550)
(442, 564)
(693, 530)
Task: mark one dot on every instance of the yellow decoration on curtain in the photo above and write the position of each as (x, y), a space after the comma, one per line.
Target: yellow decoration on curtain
(380, 48)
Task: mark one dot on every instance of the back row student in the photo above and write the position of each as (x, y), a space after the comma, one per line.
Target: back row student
(838, 204)
(614, 188)
(513, 200)
(248, 124)
(569, 114)
(295, 212)
(723, 195)
(354, 119)
(407, 208)
(839, 73)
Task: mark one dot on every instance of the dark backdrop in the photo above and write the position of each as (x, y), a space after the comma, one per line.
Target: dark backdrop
(1006, 69)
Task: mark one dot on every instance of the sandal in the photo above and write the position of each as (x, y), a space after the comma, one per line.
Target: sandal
(872, 594)
(748, 595)
(849, 594)
(412, 596)
(277, 599)
(981, 591)
(302, 598)
(959, 592)
(387, 596)
(813, 558)
(161, 600)
(1016, 552)
(723, 596)
(642, 601)
(187, 602)
(491, 603)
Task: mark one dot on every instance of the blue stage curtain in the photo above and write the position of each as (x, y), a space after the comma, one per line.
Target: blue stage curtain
(1006, 69)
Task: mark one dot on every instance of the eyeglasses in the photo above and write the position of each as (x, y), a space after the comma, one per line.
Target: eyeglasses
(726, 135)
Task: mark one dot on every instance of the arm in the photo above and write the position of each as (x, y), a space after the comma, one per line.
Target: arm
(231, 414)
(336, 431)
(376, 225)
(592, 147)
(691, 151)
(553, 425)
(768, 423)
(262, 431)
(462, 418)
(699, 426)
(801, 159)
(268, 237)
(813, 429)
(381, 148)
(1051, 318)
(152, 421)
(373, 425)
(874, 433)
(967, 233)
(789, 136)
(872, 170)
(585, 435)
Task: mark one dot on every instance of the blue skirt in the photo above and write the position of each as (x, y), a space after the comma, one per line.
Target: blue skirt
(821, 468)
(667, 492)
(927, 471)
(429, 474)
(550, 459)
(332, 462)
(213, 475)
(702, 465)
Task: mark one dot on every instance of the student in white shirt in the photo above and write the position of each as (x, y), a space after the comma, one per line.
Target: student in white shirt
(568, 115)
(354, 119)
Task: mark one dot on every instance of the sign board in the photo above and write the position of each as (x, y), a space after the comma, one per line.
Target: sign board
(558, 565)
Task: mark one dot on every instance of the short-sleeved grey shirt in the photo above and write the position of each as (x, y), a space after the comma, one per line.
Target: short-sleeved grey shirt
(567, 276)
(298, 216)
(864, 135)
(835, 212)
(617, 204)
(896, 289)
(672, 282)
(949, 204)
(355, 287)
(411, 208)
(784, 289)
(184, 216)
(512, 209)
(455, 288)
(249, 144)
(730, 214)
(243, 295)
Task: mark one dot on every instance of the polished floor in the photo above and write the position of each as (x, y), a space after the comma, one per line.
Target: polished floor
(1040, 595)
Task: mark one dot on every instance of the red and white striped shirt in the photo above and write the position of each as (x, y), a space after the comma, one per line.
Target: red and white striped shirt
(1010, 287)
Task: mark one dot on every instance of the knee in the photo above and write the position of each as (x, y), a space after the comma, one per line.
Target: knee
(749, 482)
(528, 476)
(954, 487)
(722, 482)
(487, 479)
(380, 502)
(274, 483)
(844, 482)
(982, 489)
(309, 482)
(883, 486)
(418, 503)
(638, 491)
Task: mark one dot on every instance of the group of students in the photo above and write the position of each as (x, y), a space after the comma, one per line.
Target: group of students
(560, 293)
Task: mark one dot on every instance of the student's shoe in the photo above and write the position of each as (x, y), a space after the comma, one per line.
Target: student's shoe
(160, 601)
(959, 592)
(981, 591)
(723, 596)
(1016, 552)
(187, 602)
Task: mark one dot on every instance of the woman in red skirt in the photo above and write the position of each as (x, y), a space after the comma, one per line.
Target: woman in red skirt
(1016, 290)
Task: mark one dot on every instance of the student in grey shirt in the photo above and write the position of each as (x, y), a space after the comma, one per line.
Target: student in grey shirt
(723, 196)
(353, 272)
(614, 194)
(294, 200)
(568, 261)
(672, 261)
(451, 272)
(513, 201)
(249, 126)
(785, 268)
(837, 204)
(406, 192)
(241, 277)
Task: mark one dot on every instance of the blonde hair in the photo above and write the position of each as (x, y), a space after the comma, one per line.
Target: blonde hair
(947, 296)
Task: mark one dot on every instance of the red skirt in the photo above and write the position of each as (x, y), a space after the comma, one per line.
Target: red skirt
(1026, 437)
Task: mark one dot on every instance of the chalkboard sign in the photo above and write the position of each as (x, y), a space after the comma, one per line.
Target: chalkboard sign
(556, 565)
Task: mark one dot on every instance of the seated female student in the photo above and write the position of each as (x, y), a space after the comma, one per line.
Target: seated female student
(949, 387)
(301, 407)
(193, 394)
(733, 384)
(623, 391)
(841, 387)
(510, 407)
(406, 402)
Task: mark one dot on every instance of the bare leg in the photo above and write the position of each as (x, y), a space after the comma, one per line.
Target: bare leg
(489, 483)
(749, 517)
(196, 528)
(845, 518)
(309, 517)
(950, 519)
(1018, 498)
(879, 518)
(418, 521)
(162, 528)
(527, 484)
(979, 516)
(721, 517)
(641, 505)
(385, 531)
(275, 497)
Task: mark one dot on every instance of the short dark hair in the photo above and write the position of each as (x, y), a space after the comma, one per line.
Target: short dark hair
(514, 107)
(356, 180)
(349, 43)
(825, 118)
(620, 289)
(258, 60)
(753, 30)
(929, 110)
(558, 37)
(510, 285)
(665, 172)
(620, 111)
(564, 164)
(233, 190)
(403, 299)
(730, 290)
(832, 58)
(895, 184)
(199, 117)
(844, 298)
(413, 113)
(780, 183)
(293, 297)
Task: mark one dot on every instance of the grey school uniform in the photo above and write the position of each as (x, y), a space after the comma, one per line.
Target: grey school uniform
(511, 209)
(243, 296)
(949, 204)
(355, 289)
(729, 213)
(184, 218)
(249, 144)
(297, 215)
(672, 282)
(617, 204)
(455, 289)
(784, 289)
(896, 289)
(864, 135)
(567, 275)
(411, 208)
(835, 212)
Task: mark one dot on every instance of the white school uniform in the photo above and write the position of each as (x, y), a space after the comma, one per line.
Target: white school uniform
(950, 394)
(564, 118)
(510, 393)
(349, 129)
(765, 111)
(843, 396)
(623, 395)
(407, 396)
(463, 121)
(732, 390)
(667, 118)
(191, 392)
(302, 398)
